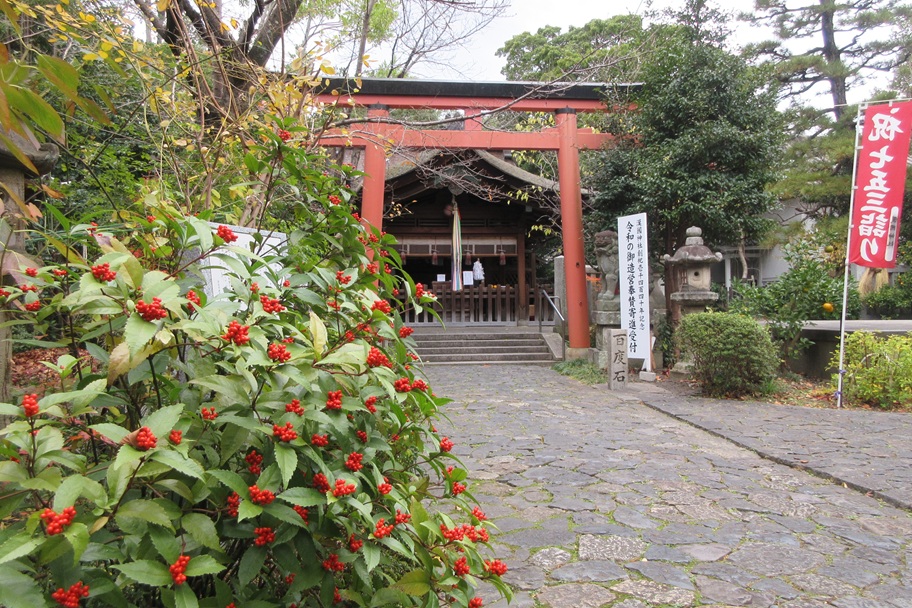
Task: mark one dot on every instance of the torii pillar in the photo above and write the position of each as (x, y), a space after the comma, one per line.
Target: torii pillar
(374, 169)
(572, 233)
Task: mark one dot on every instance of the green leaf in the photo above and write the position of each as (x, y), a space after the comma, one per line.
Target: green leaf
(75, 486)
(231, 480)
(318, 333)
(202, 530)
(127, 455)
(145, 510)
(138, 333)
(371, 555)
(18, 546)
(147, 572)
(114, 432)
(78, 535)
(184, 596)
(61, 73)
(161, 422)
(287, 460)
(167, 545)
(203, 564)
(284, 513)
(248, 510)
(388, 597)
(38, 109)
(303, 497)
(19, 590)
(178, 462)
(250, 565)
(416, 583)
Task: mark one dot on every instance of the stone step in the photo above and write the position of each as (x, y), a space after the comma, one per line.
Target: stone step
(428, 338)
(487, 358)
(478, 343)
(492, 348)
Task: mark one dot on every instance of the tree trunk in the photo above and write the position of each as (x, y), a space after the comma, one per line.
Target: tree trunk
(833, 57)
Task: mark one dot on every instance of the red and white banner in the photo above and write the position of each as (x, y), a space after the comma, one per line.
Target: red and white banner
(880, 179)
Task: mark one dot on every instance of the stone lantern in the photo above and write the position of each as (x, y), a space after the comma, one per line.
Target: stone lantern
(692, 263)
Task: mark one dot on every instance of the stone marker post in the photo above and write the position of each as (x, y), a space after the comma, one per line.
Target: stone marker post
(617, 366)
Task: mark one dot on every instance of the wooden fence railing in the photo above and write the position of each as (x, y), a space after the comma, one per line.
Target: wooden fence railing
(480, 305)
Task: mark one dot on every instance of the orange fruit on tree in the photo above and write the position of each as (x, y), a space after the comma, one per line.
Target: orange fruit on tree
(828, 307)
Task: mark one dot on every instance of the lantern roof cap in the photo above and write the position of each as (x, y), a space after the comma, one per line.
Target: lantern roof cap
(694, 252)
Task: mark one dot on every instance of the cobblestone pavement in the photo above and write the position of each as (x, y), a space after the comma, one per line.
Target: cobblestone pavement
(869, 451)
(603, 501)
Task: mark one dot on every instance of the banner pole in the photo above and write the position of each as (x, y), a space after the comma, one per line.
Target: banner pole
(859, 128)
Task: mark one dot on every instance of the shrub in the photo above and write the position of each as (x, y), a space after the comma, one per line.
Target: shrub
(878, 369)
(732, 354)
(891, 301)
(582, 370)
(806, 291)
(267, 446)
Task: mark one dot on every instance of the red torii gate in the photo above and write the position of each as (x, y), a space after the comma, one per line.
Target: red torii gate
(477, 100)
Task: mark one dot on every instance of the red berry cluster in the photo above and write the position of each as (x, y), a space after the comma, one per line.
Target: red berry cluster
(402, 518)
(32, 272)
(27, 288)
(332, 564)
(178, 568)
(260, 497)
(284, 433)
(405, 332)
(321, 483)
(237, 333)
(234, 501)
(175, 436)
(103, 272)
(342, 277)
(376, 358)
(55, 522)
(33, 306)
(419, 385)
(69, 598)
(353, 463)
(458, 488)
(479, 514)
(152, 311)
(283, 135)
(334, 200)
(145, 440)
(343, 489)
(294, 407)
(419, 290)
(290, 578)
(382, 528)
(402, 385)
(254, 287)
(278, 352)
(264, 536)
(370, 404)
(60, 272)
(495, 566)
(334, 400)
(413, 356)
(304, 513)
(476, 602)
(254, 459)
(271, 304)
(362, 436)
(385, 487)
(30, 405)
(193, 299)
(382, 306)
(321, 441)
(446, 444)
(464, 531)
(226, 234)
(209, 413)
(5, 294)
(461, 567)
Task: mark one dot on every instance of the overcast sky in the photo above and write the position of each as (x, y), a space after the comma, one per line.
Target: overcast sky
(480, 62)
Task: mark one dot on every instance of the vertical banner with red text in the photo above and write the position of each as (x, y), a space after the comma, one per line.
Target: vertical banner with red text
(880, 179)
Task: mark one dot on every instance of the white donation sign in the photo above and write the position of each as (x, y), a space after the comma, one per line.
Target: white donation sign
(633, 260)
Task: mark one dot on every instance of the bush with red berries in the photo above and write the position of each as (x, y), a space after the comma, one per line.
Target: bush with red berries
(252, 448)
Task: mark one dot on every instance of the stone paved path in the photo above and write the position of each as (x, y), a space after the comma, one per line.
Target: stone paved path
(870, 451)
(603, 501)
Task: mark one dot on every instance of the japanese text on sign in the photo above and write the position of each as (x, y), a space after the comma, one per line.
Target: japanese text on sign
(879, 185)
(634, 286)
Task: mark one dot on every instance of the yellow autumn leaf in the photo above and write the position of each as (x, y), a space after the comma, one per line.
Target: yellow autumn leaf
(328, 69)
(90, 57)
(162, 5)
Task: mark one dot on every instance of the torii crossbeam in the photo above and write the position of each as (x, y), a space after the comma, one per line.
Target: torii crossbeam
(477, 100)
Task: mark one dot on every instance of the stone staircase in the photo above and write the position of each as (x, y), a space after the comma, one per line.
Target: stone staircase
(465, 347)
